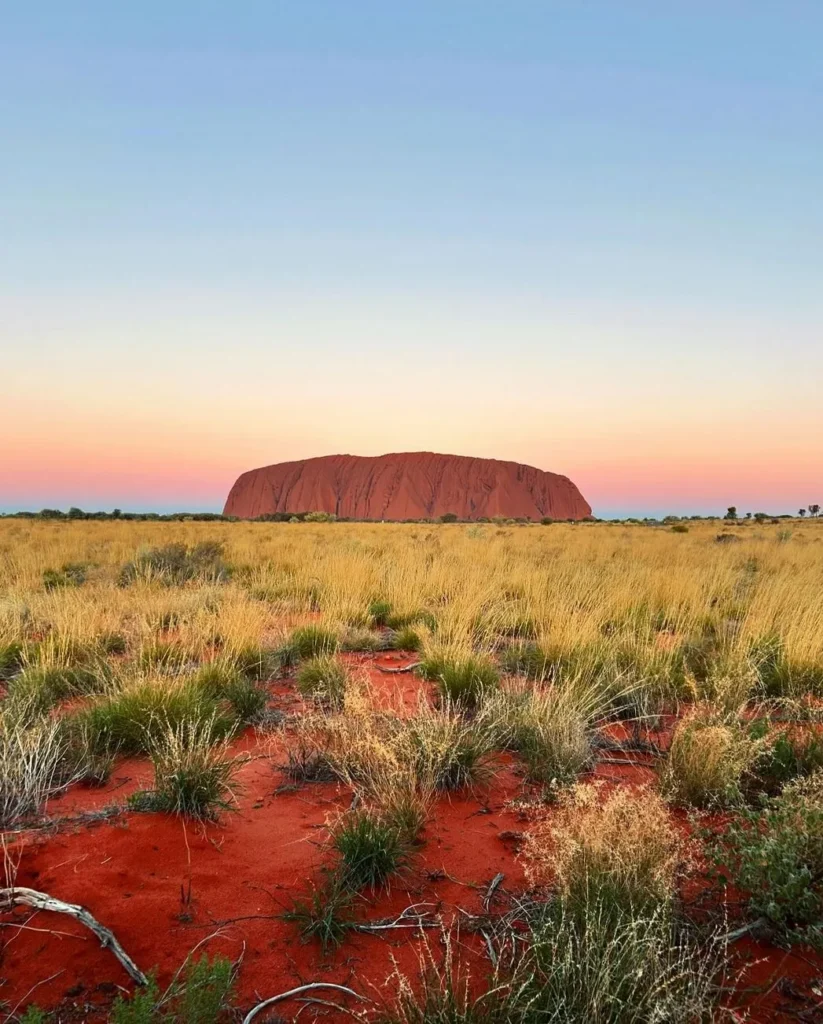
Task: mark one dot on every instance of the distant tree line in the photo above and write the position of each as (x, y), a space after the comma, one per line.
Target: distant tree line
(813, 511)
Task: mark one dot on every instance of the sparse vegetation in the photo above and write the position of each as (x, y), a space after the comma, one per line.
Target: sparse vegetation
(642, 653)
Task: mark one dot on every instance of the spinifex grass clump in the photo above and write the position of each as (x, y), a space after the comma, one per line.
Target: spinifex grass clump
(166, 656)
(40, 689)
(710, 758)
(379, 612)
(405, 639)
(130, 721)
(308, 642)
(527, 659)
(176, 564)
(223, 681)
(371, 846)
(326, 915)
(32, 765)
(193, 769)
(462, 681)
(324, 679)
(359, 639)
(594, 966)
(12, 658)
(112, 642)
(447, 749)
(550, 727)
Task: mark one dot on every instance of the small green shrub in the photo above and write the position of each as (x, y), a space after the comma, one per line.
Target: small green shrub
(371, 848)
(680, 528)
(775, 854)
(140, 1008)
(790, 753)
(461, 681)
(34, 1015)
(206, 991)
(202, 996)
(324, 679)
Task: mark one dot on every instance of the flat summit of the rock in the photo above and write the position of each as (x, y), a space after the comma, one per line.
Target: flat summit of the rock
(409, 485)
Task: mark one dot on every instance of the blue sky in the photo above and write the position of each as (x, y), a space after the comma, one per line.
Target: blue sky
(580, 235)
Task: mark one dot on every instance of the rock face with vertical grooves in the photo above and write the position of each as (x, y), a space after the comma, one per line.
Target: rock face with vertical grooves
(411, 485)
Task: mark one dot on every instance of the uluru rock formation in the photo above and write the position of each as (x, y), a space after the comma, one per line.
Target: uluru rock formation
(412, 485)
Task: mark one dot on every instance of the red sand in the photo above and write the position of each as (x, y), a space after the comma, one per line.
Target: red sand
(162, 886)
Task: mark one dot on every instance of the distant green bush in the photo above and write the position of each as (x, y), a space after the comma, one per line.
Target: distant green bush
(176, 564)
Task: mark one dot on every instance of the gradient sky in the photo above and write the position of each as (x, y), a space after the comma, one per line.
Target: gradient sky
(587, 236)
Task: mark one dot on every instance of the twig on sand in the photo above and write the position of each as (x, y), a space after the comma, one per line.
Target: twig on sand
(398, 671)
(311, 987)
(411, 917)
(495, 882)
(738, 933)
(489, 947)
(19, 896)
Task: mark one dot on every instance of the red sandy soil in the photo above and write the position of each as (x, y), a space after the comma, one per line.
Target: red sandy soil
(410, 485)
(163, 885)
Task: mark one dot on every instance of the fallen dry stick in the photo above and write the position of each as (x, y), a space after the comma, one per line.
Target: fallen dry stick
(18, 896)
(397, 671)
(297, 992)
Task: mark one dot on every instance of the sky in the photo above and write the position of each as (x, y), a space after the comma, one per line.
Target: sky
(583, 235)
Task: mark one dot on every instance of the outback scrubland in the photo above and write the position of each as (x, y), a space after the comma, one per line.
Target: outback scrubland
(446, 772)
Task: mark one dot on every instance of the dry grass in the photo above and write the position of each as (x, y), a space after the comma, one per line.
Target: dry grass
(711, 754)
(621, 843)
